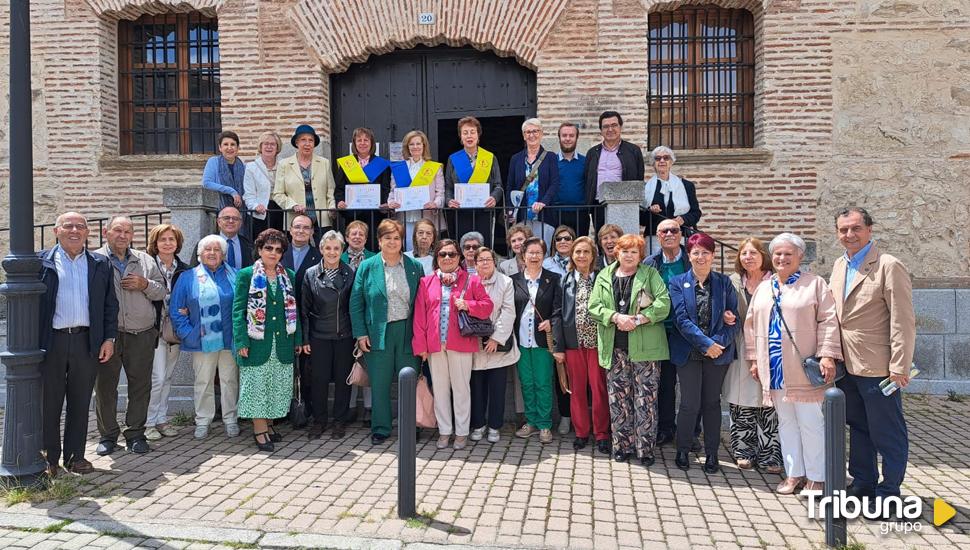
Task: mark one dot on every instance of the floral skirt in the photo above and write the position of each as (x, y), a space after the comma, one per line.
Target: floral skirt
(265, 390)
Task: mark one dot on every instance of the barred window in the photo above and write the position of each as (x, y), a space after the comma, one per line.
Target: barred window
(168, 84)
(701, 68)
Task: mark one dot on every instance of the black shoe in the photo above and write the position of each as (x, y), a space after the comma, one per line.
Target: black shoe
(664, 438)
(315, 432)
(139, 446)
(267, 444)
(377, 439)
(647, 461)
(603, 446)
(620, 456)
(859, 491)
(338, 431)
(366, 417)
(106, 447)
(711, 465)
(274, 436)
(683, 460)
(580, 443)
(695, 447)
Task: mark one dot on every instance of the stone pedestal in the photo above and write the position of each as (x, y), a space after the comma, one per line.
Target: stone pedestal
(193, 211)
(622, 200)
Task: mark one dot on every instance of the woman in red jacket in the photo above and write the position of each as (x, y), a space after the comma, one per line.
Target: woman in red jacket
(438, 340)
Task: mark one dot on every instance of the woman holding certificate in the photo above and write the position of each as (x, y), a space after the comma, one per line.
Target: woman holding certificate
(363, 167)
(418, 176)
(467, 167)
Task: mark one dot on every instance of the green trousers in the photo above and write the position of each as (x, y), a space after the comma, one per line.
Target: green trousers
(535, 375)
(382, 367)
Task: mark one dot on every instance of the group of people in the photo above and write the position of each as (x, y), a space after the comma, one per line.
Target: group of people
(601, 331)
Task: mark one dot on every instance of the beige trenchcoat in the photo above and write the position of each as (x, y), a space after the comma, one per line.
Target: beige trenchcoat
(499, 289)
(740, 388)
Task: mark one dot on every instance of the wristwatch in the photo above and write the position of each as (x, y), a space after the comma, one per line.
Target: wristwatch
(636, 319)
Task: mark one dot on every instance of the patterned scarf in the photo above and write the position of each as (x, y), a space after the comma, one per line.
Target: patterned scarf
(354, 258)
(447, 279)
(776, 375)
(258, 293)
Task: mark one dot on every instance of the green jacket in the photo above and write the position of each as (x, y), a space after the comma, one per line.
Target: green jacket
(648, 342)
(275, 324)
(368, 299)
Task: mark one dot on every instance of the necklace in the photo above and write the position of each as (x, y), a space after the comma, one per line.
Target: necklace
(625, 283)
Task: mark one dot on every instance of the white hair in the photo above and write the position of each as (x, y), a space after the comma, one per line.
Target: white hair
(789, 238)
(332, 236)
(209, 239)
(662, 150)
(531, 122)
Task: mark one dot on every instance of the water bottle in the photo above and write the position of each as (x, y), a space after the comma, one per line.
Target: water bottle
(888, 387)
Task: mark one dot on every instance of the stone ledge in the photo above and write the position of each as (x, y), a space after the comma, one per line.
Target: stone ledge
(941, 282)
(153, 162)
(722, 156)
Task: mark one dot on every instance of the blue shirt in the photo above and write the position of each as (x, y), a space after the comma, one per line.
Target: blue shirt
(299, 254)
(71, 306)
(444, 313)
(572, 184)
(852, 265)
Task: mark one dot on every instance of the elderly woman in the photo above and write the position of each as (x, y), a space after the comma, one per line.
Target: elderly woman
(382, 318)
(608, 235)
(472, 165)
(425, 239)
(558, 261)
(754, 427)
(201, 312)
(538, 313)
(164, 243)
(258, 184)
(803, 302)
(533, 181)
(515, 236)
(363, 166)
(304, 182)
(667, 196)
(224, 173)
(629, 303)
(470, 243)
(419, 171)
(327, 337)
(267, 334)
(702, 347)
(438, 340)
(499, 351)
(577, 348)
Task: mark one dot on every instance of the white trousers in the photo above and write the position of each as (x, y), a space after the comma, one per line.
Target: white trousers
(801, 431)
(205, 365)
(451, 373)
(163, 366)
(353, 397)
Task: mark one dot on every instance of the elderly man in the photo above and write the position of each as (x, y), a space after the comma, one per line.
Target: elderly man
(240, 251)
(138, 283)
(612, 160)
(79, 323)
(300, 256)
(874, 302)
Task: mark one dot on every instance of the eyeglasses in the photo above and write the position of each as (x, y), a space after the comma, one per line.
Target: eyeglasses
(484, 259)
(74, 226)
(659, 158)
(612, 126)
(444, 254)
(276, 249)
(472, 246)
(532, 132)
(669, 231)
(563, 238)
(230, 218)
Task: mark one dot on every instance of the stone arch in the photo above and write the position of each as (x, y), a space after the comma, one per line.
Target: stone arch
(337, 37)
(133, 9)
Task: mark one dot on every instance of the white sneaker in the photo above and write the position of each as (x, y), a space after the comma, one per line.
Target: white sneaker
(477, 434)
(564, 425)
(493, 435)
(152, 434)
(201, 432)
(232, 430)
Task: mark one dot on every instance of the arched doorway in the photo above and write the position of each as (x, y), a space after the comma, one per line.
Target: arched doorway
(430, 89)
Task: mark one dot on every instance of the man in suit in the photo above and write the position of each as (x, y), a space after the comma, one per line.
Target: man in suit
(874, 302)
(300, 256)
(79, 323)
(240, 251)
(612, 160)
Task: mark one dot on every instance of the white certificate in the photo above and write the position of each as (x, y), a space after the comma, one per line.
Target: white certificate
(363, 196)
(472, 195)
(412, 198)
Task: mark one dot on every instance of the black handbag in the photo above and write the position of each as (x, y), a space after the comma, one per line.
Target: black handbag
(473, 326)
(297, 414)
(812, 365)
(502, 348)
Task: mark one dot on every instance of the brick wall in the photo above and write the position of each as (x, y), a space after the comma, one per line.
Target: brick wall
(861, 101)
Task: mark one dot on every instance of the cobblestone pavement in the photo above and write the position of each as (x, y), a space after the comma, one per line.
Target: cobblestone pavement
(515, 493)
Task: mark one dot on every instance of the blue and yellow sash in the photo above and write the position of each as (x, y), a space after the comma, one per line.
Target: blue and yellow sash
(424, 177)
(472, 174)
(367, 174)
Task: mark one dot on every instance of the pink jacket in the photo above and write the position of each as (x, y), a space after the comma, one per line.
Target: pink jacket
(427, 314)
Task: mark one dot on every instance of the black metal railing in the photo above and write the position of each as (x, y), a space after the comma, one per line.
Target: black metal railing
(44, 232)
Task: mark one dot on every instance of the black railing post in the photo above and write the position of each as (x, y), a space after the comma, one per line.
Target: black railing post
(834, 411)
(407, 386)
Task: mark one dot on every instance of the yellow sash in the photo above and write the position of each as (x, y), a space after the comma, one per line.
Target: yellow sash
(352, 169)
(483, 167)
(426, 174)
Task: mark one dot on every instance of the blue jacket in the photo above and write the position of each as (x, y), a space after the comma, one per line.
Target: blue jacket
(688, 335)
(185, 295)
(548, 180)
(102, 302)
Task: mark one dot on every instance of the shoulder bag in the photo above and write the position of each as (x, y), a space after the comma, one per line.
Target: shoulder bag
(811, 365)
(473, 326)
(358, 373)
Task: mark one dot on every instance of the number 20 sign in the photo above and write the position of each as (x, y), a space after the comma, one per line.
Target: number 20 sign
(426, 18)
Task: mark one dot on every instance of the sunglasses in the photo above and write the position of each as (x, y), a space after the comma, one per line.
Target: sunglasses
(276, 249)
(447, 254)
(669, 231)
(472, 246)
(563, 238)
(658, 158)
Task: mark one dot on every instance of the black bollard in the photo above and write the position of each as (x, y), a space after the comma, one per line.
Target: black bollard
(834, 411)
(407, 385)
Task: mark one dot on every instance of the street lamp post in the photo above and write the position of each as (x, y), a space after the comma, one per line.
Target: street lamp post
(22, 438)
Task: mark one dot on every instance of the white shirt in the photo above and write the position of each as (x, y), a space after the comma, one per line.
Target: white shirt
(71, 305)
(527, 333)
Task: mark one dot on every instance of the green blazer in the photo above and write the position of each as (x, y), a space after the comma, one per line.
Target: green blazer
(368, 300)
(648, 342)
(345, 258)
(275, 324)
